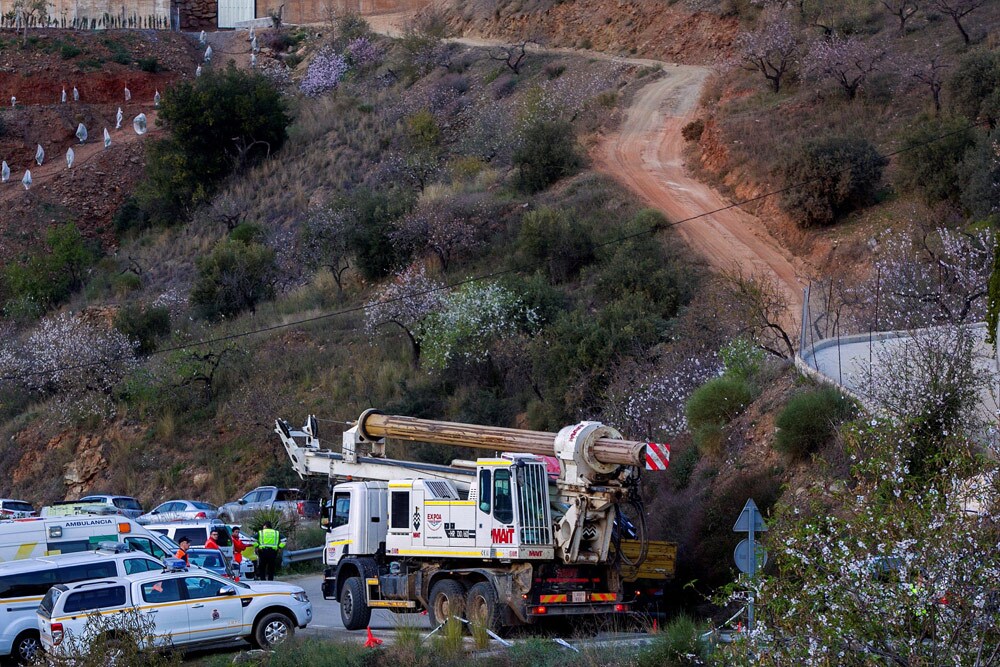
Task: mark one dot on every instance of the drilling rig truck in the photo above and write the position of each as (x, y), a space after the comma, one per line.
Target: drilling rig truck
(502, 541)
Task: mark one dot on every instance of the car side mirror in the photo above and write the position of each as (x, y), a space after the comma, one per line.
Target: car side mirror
(227, 590)
(241, 501)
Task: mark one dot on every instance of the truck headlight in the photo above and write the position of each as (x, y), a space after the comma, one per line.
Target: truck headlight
(301, 596)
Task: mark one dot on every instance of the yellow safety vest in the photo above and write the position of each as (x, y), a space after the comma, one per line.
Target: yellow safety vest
(268, 538)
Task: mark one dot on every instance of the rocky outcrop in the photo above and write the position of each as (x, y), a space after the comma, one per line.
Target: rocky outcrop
(198, 14)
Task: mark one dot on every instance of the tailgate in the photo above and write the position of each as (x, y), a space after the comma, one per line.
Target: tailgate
(660, 560)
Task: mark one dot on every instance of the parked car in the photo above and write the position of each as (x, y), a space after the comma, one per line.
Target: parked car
(126, 505)
(187, 608)
(15, 509)
(212, 560)
(180, 510)
(23, 584)
(76, 507)
(291, 502)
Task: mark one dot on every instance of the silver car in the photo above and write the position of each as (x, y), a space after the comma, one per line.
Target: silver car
(180, 510)
(124, 505)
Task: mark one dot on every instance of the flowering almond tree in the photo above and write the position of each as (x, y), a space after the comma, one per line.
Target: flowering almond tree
(847, 60)
(770, 50)
(443, 228)
(406, 301)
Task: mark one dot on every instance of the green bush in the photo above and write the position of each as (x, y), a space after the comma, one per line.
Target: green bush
(547, 153)
(144, 325)
(130, 216)
(550, 239)
(372, 213)
(223, 121)
(741, 358)
(979, 174)
(974, 87)
(234, 277)
(247, 232)
(70, 51)
(150, 64)
(49, 277)
(677, 644)
(693, 130)
(931, 167)
(718, 401)
(830, 177)
(123, 283)
(809, 420)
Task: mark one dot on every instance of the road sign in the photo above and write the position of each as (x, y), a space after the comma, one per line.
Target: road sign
(750, 519)
(742, 556)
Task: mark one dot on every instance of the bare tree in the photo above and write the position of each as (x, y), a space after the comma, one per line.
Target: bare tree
(229, 210)
(957, 10)
(27, 13)
(770, 49)
(903, 10)
(325, 242)
(512, 55)
(930, 72)
(759, 306)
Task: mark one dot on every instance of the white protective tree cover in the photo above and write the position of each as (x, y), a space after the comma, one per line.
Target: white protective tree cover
(63, 98)
(81, 133)
(201, 38)
(4, 172)
(128, 94)
(208, 54)
(26, 181)
(139, 124)
(107, 138)
(118, 119)
(197, 71)
(156, 99)
(39, 155)
(70, 156)
(76, 94)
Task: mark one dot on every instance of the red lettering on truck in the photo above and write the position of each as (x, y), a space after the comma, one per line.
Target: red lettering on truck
(502, 535)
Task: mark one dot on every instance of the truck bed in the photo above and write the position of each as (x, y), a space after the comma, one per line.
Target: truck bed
(660, 561)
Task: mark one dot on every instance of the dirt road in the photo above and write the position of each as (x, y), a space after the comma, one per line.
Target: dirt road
(647, 156)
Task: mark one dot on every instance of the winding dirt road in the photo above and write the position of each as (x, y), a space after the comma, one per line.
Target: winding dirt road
(647, 156)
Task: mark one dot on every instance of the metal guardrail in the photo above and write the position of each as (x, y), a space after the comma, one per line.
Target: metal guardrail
(289, 557)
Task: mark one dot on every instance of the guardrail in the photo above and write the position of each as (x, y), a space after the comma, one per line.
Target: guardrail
(289, 557)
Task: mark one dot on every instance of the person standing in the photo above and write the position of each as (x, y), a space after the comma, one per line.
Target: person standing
(182, 554)
(240, 545)
(269, 542)
(213, 540)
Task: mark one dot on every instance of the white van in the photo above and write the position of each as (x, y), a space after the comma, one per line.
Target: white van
(35, 538)
(24, 583)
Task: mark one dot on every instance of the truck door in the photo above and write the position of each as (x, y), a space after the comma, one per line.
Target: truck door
(495, 508)
(212, 615)
(162, 603)
(338, 540)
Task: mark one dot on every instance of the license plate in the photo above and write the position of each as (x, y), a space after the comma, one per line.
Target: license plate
(579, 596)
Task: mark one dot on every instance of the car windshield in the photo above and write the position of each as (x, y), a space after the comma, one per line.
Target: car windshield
(209, 559)
(203, 506)
(127, 504)
(18, 506)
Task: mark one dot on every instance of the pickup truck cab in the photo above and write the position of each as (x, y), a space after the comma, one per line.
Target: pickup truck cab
(291, 502)
(187, 609)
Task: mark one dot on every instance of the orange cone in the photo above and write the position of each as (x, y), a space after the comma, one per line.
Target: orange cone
(656, 626)
(372, 640)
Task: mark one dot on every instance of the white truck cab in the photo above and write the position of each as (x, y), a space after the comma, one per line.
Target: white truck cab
(186, 609)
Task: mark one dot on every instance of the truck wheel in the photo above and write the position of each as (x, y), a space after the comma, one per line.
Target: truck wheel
(354, 609)
(272, 629)
(483, 607)
(26, 647)
(447, 600)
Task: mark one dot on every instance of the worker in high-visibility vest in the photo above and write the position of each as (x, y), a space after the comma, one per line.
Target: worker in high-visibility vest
(269, 542)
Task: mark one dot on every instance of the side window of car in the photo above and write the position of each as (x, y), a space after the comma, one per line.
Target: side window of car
(68, 575)
(146, 546)
(251, 497)
(137, 565)
(203, 587)
(164, 590)
(98, 598)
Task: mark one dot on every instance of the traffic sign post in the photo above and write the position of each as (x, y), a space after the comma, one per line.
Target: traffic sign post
(749, 555)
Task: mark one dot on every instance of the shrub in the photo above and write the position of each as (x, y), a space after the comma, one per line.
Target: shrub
(546, 154)
(931, 167)
(830, 177)
(325, 72)
(974, 85)
(150, 64)
(809, 420)
(741, 358)
(718, 401)
(222, 121)
(124, 283)
(130, 216)
(247, 232)
(693, 130)
(234, 277)
(548, 238)
(369, 226)
(70, 51)
(143, 325)
(677, 641)
(979, 174)
(48, 278)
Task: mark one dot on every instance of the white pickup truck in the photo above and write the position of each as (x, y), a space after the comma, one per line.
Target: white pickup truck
(186, 608)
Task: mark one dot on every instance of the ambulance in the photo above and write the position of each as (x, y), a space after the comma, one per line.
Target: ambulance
(50, 536)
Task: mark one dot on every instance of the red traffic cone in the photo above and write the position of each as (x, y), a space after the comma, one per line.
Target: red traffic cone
(656, 626)
(372, 640)
(739, 626)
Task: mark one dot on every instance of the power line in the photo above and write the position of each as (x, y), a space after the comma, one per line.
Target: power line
(491, 275)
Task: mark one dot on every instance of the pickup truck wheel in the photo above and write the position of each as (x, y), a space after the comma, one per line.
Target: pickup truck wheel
(272, 630)
(354, 609)
(483, 607)
(26, 647)
(447, 600)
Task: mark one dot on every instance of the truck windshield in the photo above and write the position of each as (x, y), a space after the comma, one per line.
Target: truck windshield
(533, 503)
